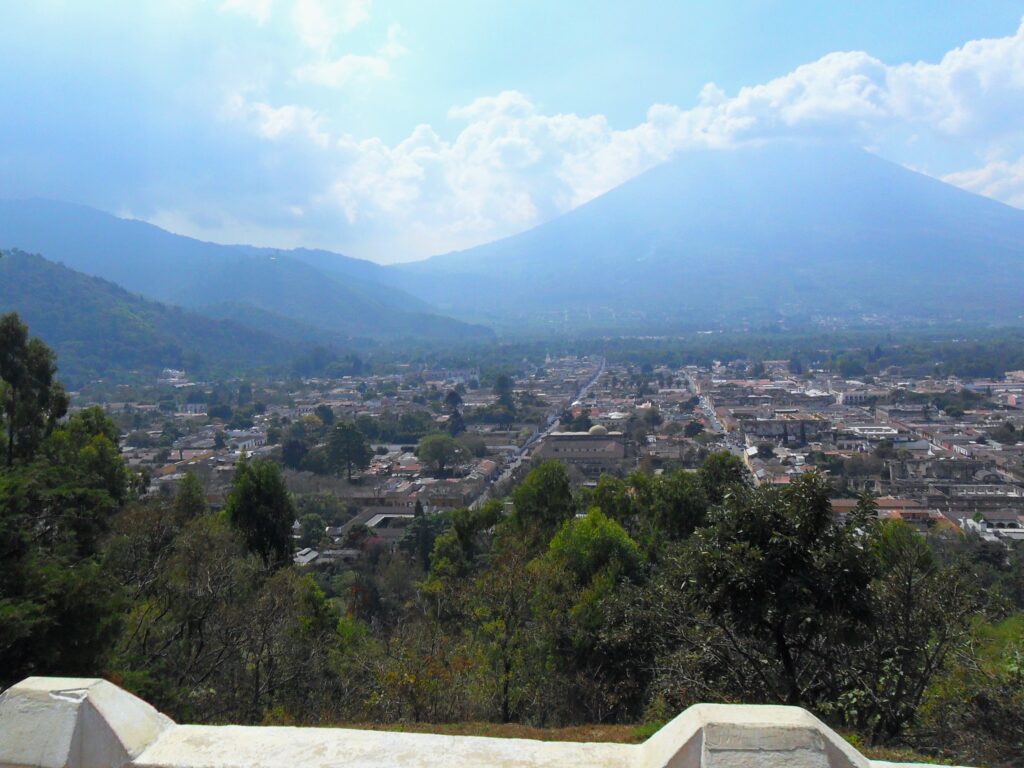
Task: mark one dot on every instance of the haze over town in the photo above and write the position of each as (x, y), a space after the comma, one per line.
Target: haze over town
(574, 372)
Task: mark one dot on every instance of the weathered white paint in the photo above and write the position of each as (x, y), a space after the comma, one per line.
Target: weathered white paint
(85, 723)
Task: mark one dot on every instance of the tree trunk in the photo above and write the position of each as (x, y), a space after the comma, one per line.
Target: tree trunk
(782, 648)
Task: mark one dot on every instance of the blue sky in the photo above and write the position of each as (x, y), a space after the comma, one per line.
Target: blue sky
(394, 130)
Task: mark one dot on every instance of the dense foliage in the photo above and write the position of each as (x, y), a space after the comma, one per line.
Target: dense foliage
(625, 602)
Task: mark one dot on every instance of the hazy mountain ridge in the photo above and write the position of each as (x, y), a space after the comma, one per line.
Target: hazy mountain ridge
(99, 329)
(191, 273)
(787, 229)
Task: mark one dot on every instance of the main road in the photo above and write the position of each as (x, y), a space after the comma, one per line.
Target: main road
(552, 423)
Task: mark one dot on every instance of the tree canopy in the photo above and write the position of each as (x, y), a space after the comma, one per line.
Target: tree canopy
(261, 509)
(440, 451)
(348, 449)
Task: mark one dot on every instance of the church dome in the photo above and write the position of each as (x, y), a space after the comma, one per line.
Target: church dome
(597, 429)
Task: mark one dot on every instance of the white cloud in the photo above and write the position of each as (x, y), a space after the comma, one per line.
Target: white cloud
(344, 70)
(1000, 179)
(351, 68)
(320, 22)
(258, 10)
(277, 123)
(510, 165)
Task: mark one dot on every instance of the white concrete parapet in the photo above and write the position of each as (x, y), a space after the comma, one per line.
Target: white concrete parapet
(86, 723)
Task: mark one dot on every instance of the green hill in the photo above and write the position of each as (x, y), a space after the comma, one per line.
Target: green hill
(330, 292)
(98, 329)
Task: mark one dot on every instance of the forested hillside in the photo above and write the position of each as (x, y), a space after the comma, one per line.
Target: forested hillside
(327, 292)
(98, 328)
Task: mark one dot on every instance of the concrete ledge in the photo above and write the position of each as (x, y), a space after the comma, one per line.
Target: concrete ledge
(85, 723)
(53, 722)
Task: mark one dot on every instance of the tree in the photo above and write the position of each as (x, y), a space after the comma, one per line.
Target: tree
(923, 614)
(543, 501)
(31, 399)
(55, 511)
(313, 528)
(500, 623)
(721, 471)
(785, 584)
(260, 508)
(293, 452)
(452, 401)
(347, 449)
(673, 505)
(325, 414)
(503, 389)
(587, 562)
(456, 424)
(589, 545)
(421, 535)
(693, 428)
(440, 451)
(191, 499)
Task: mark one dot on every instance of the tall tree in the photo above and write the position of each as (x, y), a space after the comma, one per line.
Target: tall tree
(452, 400)
(440, 451)
(260, 508)
(503, 389)
(32, 400)
(191, 499)
(347, 449)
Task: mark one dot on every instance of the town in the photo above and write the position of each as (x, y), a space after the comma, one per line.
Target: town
(931, 452)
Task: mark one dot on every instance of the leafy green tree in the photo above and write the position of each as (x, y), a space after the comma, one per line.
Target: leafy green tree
(455, 552)
(720, 472)
(313, 528)
(614, 497)
(54, 512)
(456, 424)
(369, 426)
(543, 501)
(587, 546)
(786, 583)
(190, 502)
(499, 621)
(922, 616)
(421, 536)
(32, 400)
(260, 508)
(579, 423)
(673, 505)
(974, 711)
(440, 451)
(587, 562)
(347, 449)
